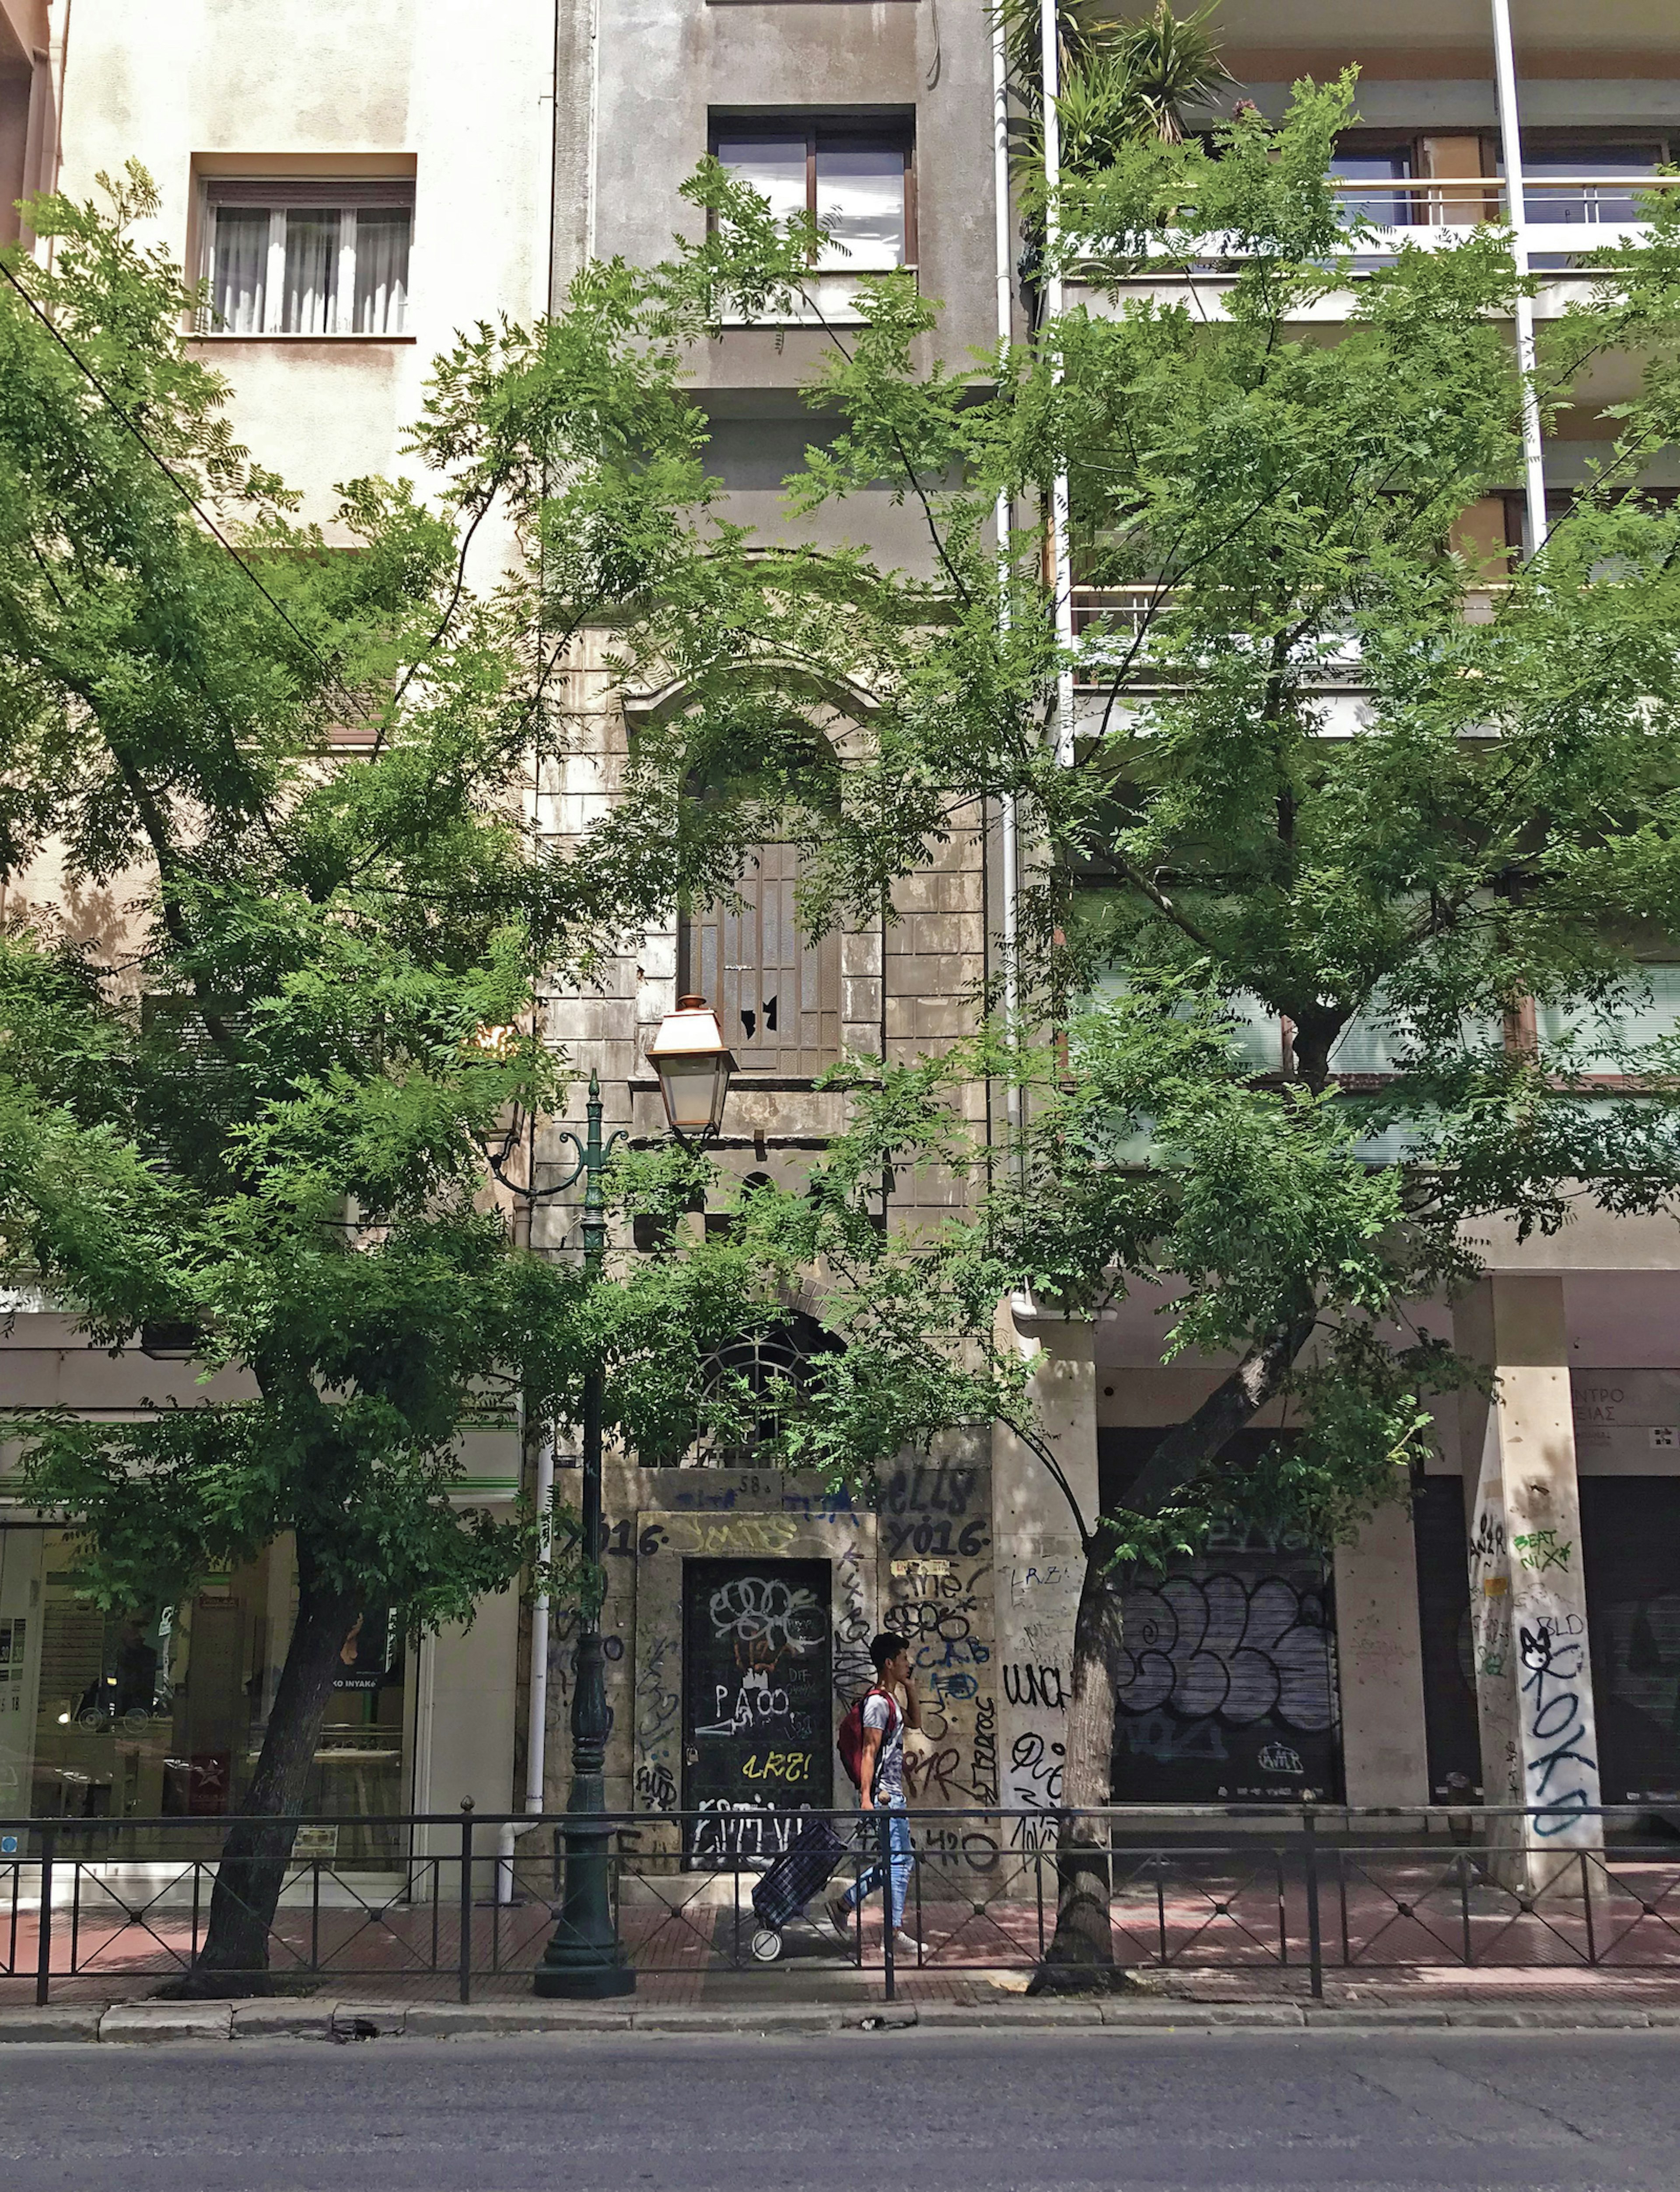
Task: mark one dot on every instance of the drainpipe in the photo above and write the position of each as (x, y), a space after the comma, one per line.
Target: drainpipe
(1005, 239)
(1510, 141)
(536, 1717)
(1050, 68)
(536, 1727)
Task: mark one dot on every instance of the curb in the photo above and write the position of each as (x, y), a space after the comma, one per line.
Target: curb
(142, 2024)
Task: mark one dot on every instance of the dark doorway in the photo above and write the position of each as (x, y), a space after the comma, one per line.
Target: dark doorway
(1630, 1549)
(1452, 1737)
(1229, 1688)
(757, 1734)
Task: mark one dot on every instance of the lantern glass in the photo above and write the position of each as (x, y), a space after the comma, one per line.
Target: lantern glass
(694, 1064)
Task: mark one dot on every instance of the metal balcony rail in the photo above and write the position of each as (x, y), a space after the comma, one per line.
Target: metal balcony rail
(1462, 201)
(102, 1907)
(1562, 216)
(1111, 629)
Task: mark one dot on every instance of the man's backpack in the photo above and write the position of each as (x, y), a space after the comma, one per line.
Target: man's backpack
(850, 1741)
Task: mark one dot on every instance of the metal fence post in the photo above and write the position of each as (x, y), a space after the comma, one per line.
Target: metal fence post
(1315, 1944)
(466, 1899)
(885, 1821)
(44, 1945)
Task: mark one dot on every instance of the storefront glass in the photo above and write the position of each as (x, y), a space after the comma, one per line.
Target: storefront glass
(159, 1712)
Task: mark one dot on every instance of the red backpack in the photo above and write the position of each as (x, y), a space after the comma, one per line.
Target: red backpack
(849, 1740)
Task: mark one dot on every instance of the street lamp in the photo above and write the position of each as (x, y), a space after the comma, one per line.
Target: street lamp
(693, 1063)
(584, 1959)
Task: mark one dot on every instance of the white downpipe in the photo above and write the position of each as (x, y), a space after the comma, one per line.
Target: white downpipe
(1050, 69)
(1002, 519)
(536, 1726)
(536, 1717)
(1511, 140)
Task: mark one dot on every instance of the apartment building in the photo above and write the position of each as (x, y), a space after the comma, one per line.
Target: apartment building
(384, 174)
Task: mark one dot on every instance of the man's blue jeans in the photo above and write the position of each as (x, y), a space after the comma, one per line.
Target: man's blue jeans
(903, 1860)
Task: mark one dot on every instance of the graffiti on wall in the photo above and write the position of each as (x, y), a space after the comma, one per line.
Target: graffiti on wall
(936, 1591)
(1035, 1679)
(1228, 1687)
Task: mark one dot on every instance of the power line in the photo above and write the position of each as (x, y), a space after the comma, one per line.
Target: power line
(179, 484)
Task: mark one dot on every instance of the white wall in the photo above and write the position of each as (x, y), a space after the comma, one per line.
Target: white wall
(463, 91)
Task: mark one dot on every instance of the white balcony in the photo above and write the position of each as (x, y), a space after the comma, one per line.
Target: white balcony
(1112, 632)
(1565, 219)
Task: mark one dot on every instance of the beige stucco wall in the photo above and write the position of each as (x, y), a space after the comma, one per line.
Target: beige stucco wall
(457, 94)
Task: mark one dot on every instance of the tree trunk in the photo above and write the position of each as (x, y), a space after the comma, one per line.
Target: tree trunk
(1081, 1954)
(256, 1852)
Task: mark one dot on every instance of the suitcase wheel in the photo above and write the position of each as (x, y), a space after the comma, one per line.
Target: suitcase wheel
(766, 1945)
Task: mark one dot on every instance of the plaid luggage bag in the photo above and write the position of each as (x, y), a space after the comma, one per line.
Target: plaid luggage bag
(803, 1871)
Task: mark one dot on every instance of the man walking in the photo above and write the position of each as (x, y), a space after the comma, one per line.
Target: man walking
(880, 1779)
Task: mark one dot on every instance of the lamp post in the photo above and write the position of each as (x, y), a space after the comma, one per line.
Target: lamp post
(584, 1959)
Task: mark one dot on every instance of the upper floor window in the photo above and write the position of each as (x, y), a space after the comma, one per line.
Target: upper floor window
(1562, 177)
(856, 182)
(777, 991)
(1370, 168)
(308, 257)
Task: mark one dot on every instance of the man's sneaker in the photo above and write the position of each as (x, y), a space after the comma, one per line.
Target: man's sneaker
(907, 1946)
(839, 1917)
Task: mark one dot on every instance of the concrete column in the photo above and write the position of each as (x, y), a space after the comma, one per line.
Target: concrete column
(1040, 1566)
(463, 1724)
(1528, 1595)
(1379, 1660)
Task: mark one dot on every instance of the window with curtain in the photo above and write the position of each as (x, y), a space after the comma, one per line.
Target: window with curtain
(309, 257)
(776, 993)
(856, 182)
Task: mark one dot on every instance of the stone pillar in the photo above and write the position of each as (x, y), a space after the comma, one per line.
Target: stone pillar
(1528, 1595)
(1040, 1564)
(1379, 1661)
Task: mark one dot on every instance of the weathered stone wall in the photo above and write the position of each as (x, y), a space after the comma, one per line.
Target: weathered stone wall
(923, 1564)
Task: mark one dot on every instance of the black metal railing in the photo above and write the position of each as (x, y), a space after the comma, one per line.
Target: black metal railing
(466, 1901)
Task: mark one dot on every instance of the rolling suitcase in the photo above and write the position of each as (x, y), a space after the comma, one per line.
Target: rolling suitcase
(803, 1871)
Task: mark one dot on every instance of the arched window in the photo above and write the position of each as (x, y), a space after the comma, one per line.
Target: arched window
(758, 1371)
(776, 993)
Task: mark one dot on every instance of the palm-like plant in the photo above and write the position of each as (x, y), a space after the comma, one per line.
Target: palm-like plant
(1170, 63)
(1120, 82)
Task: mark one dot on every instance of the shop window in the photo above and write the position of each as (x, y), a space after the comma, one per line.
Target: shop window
(307, 257)
(1228, 1690)
(159, 1712)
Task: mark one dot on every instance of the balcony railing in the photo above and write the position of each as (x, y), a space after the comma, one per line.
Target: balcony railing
(1565, 216)
(1562, 215)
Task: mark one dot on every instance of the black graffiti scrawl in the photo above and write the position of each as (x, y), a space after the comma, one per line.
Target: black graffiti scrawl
(757, 1723)
(1230, 1690)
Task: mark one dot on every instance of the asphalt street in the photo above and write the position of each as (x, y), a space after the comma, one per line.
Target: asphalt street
(868, 2113)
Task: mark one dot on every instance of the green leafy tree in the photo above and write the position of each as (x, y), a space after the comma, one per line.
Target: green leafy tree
(1122, 80)
(1333, 776)
(279, 1099)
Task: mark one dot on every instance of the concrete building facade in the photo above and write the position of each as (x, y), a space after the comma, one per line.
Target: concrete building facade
(488, 154)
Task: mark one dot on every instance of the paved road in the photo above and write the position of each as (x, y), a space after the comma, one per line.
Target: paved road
(923, 2112)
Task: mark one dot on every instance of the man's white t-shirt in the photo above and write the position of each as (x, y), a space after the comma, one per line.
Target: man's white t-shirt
(880, 1712)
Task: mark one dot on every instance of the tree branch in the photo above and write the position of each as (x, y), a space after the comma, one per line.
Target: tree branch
(1227, 1410)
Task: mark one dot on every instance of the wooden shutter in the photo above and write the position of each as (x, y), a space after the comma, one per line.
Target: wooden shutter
(776, 994)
